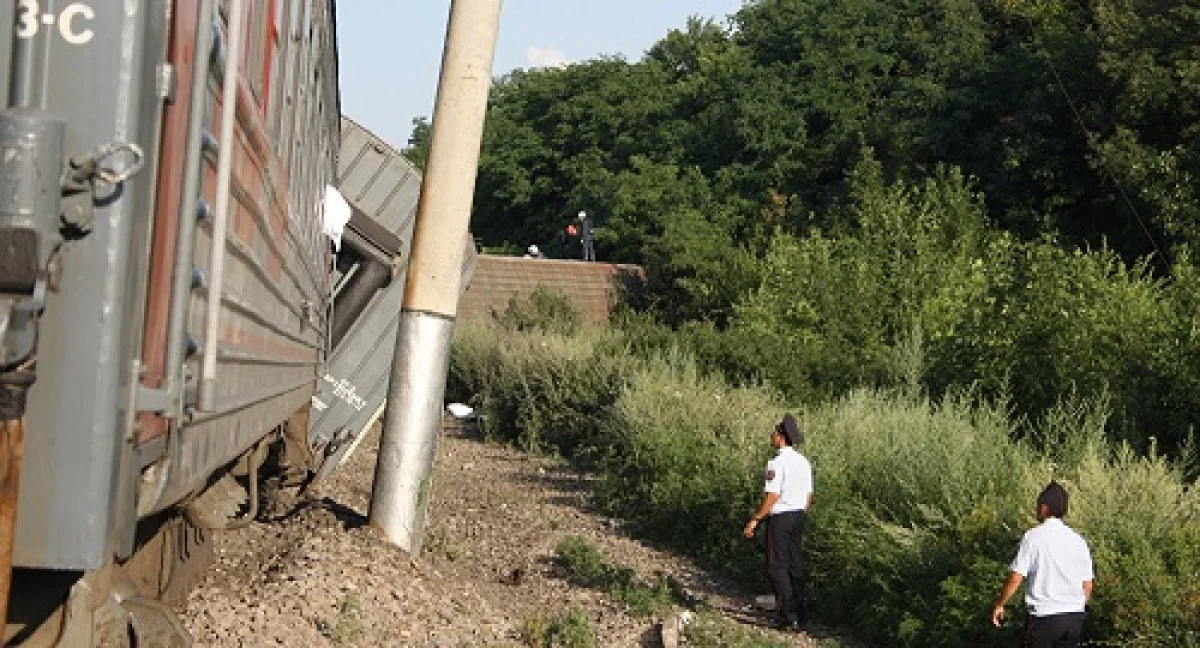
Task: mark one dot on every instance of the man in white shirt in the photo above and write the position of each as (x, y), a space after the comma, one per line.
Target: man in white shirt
(1058, 565)
(787, 497)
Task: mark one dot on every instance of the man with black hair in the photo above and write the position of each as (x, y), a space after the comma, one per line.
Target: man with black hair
(787, 497)
(1058, 565)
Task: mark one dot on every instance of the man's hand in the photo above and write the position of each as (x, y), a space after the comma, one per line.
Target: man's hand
(750, 527)
(1010, 587)
(764, 509)
(998, 615)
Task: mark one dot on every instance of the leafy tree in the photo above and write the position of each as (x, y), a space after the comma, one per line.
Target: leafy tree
(839, 76)
(834, 312)
(1024, 160)
(554, 137)
(671, 219)
(1150, 51)
(417, 151)
(1080, 122)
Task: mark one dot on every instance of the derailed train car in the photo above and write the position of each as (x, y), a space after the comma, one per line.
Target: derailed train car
(382, 189)
(165, 291)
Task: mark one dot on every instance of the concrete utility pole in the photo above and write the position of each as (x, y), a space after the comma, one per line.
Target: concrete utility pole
(404, 468)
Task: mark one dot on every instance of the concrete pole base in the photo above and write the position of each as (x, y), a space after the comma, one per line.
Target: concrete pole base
(408, 445)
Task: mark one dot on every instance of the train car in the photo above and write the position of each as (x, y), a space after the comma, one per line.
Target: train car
(164, 292)
(382, 189)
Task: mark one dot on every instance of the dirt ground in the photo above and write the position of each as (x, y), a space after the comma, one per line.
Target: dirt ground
(310, 572)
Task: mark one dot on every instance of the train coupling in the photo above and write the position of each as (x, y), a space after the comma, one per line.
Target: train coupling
(31, 174)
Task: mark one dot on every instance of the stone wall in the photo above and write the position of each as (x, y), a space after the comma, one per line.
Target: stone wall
(592, 287)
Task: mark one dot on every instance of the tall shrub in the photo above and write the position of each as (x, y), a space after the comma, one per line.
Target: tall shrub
(1060, 324)
(833, 312)
(920, 504)
(543, 392)
(690, 452)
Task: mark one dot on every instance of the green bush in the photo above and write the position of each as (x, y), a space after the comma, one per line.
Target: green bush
(1058, 324)
(920, 504)
(582, 560)
(572, 629)
(732, 353)
(833, 310)
(584, 563)
(541, 391)
(543, 310)
(917, 509)
(690, 460)
(1143, 524)
(1178, 396)
(914, 288)
(929, 503)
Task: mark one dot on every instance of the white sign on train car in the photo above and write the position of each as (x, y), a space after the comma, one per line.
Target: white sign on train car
(30, 19)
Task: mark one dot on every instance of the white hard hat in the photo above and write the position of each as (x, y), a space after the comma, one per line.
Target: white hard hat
(533, 249)
(582, 215)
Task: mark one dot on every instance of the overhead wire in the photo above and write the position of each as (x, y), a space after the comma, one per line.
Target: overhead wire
(1092, 138)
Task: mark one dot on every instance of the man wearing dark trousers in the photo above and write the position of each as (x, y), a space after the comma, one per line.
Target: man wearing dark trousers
(787, 498)
(1058, 565)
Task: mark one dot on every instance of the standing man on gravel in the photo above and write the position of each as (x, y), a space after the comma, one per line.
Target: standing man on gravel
(1058, 564)
(787, 497)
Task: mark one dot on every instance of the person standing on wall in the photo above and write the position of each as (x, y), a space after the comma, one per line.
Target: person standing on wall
(564, 240)
(1058, 565)
(787, 497)
(585, 236)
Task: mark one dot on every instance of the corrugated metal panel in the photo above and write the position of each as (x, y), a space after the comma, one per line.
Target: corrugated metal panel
(271, 337)
(377, 181)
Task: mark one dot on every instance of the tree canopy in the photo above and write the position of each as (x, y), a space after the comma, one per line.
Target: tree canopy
(1008, 186)
(1079, 120)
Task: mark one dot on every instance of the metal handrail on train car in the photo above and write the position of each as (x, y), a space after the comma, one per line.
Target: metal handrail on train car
(189, 213)
(212, 308)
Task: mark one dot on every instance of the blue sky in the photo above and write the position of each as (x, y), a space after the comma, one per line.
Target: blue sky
(391, 50)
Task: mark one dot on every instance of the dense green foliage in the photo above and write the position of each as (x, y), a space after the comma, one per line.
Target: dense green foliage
(920, 504)
(1080, 120)
(958, 236)
(1027, 323)
(825, 191)
(543, 310)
